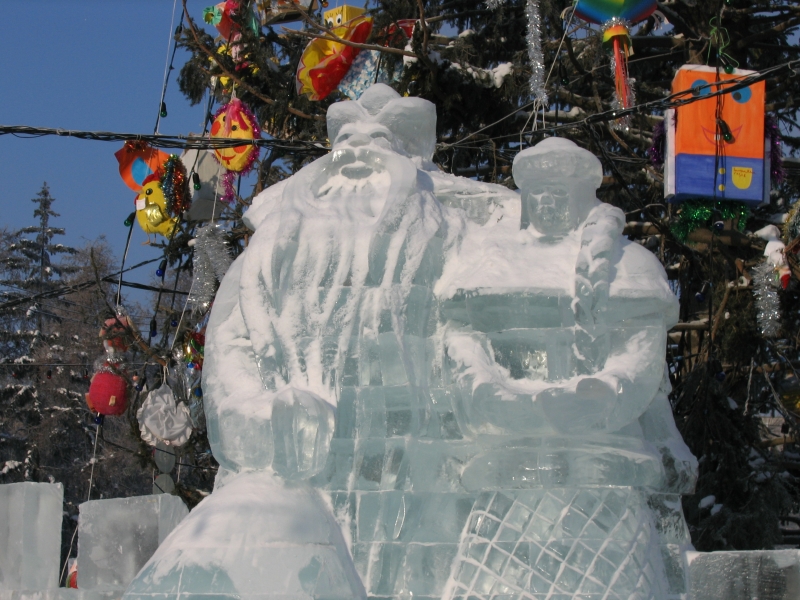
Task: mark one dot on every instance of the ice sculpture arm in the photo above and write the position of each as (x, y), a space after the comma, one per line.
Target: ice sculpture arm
(250, 427)
(604, 401)
(616, 395)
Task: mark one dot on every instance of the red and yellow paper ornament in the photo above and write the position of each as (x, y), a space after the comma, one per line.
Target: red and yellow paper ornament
(137, 161)
(325, 62)
(716, 146)
(235, 121)
(616, 17)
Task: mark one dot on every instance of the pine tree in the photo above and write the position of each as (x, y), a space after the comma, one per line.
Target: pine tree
(50, 341)
(472, 61)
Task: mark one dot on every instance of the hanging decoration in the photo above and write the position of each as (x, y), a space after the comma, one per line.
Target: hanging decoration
(695, 214)
(108, 389)
(162, 419)
(658, 145)
(211, 261)
(777, 173)
(285, 11)
(768, 310)
(324, 62)
(115, 334)
(366, 68)
(175, 186)
(535, 56)
(194, 350)
(721, 158)
(362, 74)
(234, 120)
(152, 212)
(616, 18)
(220, 15)
(138, 161)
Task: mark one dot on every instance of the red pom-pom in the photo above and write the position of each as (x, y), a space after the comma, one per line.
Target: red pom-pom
(108, 394)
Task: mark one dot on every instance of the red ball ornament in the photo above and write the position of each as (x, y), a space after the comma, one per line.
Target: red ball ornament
(108, 394)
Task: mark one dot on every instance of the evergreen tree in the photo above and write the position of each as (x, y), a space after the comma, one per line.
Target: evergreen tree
(472, 61)
(50, 341)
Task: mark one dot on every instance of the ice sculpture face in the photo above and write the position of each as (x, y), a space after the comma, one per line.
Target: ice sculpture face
(466, 400)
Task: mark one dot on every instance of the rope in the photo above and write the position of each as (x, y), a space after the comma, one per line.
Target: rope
(88, 497)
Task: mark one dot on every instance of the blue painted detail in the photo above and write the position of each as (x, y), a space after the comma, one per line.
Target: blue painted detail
(140, 170)
(694, 178)
(699, 90)
(742, 96)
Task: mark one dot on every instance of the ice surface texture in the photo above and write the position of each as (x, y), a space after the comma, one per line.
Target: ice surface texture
(419, 360)
(762, 574)
(117, 537)
(30, 535)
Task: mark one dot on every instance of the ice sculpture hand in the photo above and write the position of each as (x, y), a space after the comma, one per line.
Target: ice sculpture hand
(302, 428)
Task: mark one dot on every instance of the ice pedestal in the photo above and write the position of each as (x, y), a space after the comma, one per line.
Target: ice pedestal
(761, 574)
(30, 535)
(59, 594)
(117, 537)
(254, 537)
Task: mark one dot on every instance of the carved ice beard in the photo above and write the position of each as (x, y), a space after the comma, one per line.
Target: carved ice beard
(346, 249)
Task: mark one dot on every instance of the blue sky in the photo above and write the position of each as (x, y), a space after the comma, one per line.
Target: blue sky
(89, 65)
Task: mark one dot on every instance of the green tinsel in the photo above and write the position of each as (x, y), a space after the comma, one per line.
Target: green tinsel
(694, 214)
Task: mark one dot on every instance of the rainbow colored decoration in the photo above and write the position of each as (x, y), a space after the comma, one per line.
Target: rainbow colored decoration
(324, 63)
(616, 16)
(602, 11)
(724, 161)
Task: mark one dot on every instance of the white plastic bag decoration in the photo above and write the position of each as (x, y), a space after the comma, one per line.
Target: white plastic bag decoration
(162, 418)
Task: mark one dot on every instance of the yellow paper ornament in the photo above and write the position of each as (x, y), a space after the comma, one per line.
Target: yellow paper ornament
(151, 209)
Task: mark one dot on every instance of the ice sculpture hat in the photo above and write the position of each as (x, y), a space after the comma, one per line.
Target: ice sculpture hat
(558, 180)
(412, 121)
(556, 159)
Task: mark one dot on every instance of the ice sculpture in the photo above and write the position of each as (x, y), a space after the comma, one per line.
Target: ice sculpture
(30, 535)
(116, 537)
(407, 397)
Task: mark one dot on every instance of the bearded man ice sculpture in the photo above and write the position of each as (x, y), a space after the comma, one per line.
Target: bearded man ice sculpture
(383, 421)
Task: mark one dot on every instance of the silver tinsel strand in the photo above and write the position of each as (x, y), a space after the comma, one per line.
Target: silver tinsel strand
(211, 260)
(768, 310)
(535, 55)
(494, 4)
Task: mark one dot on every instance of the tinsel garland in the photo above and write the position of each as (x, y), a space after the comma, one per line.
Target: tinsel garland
(175, 186)
(534, 37)
(697, 213)
(656, 152)
(494, 4)
(791, 229)
(776, 171)
(211, 260)
(768, 310)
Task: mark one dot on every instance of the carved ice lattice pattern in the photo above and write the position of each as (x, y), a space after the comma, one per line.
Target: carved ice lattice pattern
(557, 544)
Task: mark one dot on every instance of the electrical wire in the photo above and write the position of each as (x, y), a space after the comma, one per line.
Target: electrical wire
(674, 100)
(165, 141)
